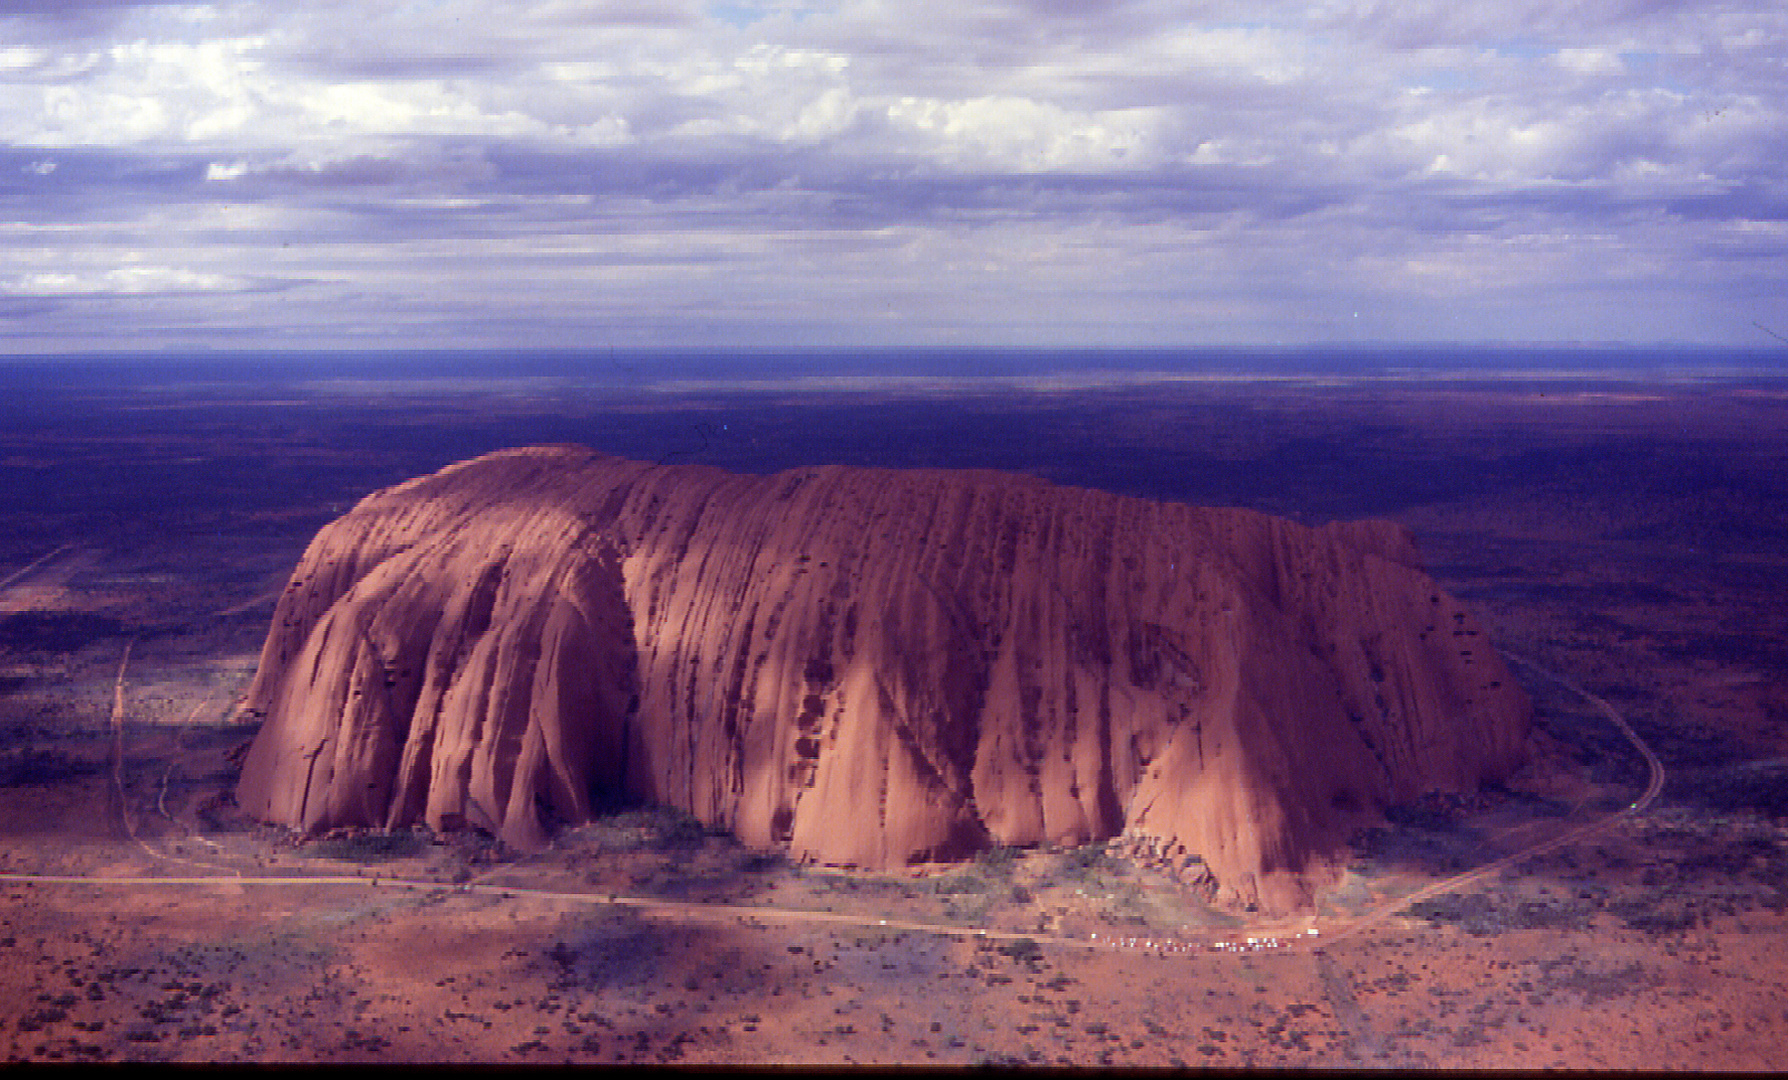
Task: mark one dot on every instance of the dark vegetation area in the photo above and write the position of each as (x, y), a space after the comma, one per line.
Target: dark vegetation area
(55, 631)
(107, 452)
(32, 765)
(36, 755)
(367, 846)
(160, 1006)
(1436, 833)
(1760, 788)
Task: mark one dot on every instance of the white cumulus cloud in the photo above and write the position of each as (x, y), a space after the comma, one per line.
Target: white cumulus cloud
(1184, 171)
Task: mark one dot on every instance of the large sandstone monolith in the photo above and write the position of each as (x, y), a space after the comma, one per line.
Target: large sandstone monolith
(869, 667)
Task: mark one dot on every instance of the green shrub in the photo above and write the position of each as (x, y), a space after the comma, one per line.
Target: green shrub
(997, 860)
(1086, 858)
(644, 827)
(959, 884)
(367, 847)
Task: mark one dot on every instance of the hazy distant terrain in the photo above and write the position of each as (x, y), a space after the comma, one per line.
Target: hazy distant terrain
(1624, 525)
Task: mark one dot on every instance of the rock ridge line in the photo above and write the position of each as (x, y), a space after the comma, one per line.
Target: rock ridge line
(869, 667)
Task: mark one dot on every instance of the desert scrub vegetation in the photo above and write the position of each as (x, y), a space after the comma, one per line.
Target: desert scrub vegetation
(961, 882)
(966, 894)
(647, 827)
(1655, 920)
(997, 861)
(30, 766)
(1482, 916)
(1081, 862)
(368, 846)
(56, 631)
(987, 872)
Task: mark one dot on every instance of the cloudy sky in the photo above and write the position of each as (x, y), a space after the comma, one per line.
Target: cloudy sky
(593, 173)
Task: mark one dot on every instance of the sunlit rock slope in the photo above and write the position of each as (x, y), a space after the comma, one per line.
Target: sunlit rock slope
(869, 667)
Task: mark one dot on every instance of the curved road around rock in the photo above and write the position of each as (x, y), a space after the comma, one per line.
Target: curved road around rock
(1583, 832)
(234, 878)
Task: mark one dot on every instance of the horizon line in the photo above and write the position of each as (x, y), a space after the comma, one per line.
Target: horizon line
(201, 351)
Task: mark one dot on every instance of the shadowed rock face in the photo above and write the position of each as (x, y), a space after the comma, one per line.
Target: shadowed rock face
(869, 667)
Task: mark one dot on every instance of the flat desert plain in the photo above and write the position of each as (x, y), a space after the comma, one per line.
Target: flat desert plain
(1620, 903)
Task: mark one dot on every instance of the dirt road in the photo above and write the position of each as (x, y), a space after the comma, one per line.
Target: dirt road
(1581, 833)
(1273, 938)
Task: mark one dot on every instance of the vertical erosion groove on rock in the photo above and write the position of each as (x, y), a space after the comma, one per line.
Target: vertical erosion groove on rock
(868, 667)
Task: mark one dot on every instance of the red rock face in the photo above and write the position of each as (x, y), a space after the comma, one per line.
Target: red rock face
(868, 667)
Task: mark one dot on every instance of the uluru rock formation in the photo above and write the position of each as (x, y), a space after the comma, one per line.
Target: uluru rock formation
(868, 667)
